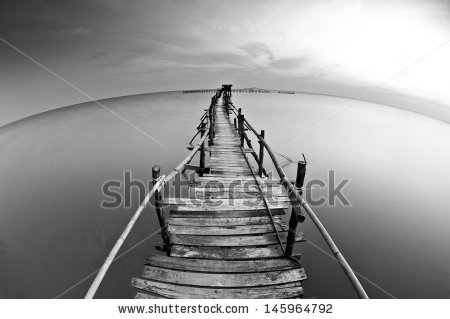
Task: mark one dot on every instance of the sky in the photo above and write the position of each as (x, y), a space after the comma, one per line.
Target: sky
(388, 51)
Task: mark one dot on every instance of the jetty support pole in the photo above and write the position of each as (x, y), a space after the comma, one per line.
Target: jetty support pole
(296, 215)
(211, 126)
(202, 150)
(241, 129)
(156, 171)
(235, 124)
(239, 121)
(261, 155)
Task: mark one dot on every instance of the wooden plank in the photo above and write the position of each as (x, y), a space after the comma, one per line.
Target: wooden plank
(226, 230)
(233, 240)
(235, 204)
(227, 164)
(233, 195)
(219, 159)
(226, 137)
(230, 172)
(229, 149)
(241, 253)
(226, 213)
(223, 169)
(229, 158)
(218, 169)
(141, 295)
(225, 147)
(225, 140)
(240, 160)
(221, 266)
(233, 184)
(228, 155)
(223, 157)
(236, 168)
(275, 189)
(233, 221)
(224, 132)
(212, 177)
(230, 161)
(231, 168)
(212, 193)
(232, 280)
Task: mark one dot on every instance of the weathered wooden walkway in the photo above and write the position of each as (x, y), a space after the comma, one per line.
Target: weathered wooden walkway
(223, 240)
(227, 238)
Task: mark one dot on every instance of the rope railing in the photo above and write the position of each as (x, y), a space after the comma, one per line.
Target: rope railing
(295, 197)
(160, 182)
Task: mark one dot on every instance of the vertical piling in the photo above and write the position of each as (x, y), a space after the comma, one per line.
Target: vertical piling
(261, 155)
(296, 215)
(211, 126)
(202, 151)
(242, 129)
(156, 171)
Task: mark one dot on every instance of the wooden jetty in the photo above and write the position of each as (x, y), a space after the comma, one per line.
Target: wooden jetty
(227, 239)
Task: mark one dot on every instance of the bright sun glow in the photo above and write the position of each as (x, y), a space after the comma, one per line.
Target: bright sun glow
(369, 44)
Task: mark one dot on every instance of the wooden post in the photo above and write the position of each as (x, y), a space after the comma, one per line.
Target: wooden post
(261, 155)
(213, 122)
(202, 151)
(240, 125)
(300, 179)
(296, 215)
(242, 129)
(211, 126)
(156, 170)
(239, 122)
(235, 124)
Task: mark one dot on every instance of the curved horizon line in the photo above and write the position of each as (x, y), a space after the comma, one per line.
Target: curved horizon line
(181, 91)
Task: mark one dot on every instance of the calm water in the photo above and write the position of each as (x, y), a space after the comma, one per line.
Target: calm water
(395, 233)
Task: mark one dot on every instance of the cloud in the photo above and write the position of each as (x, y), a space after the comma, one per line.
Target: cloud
(257, 50)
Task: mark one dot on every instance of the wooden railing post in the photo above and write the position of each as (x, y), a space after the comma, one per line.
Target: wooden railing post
(255, 156)
(211, 126)
(261, 155)
(235, 124)
(296, 215)
(242, 129)
(156, 171)
(202, 151)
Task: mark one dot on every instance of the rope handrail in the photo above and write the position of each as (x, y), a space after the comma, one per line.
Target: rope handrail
(158, 185)
(295, 195)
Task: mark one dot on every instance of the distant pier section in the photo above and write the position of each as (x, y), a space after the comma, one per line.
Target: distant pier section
(245, 90)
